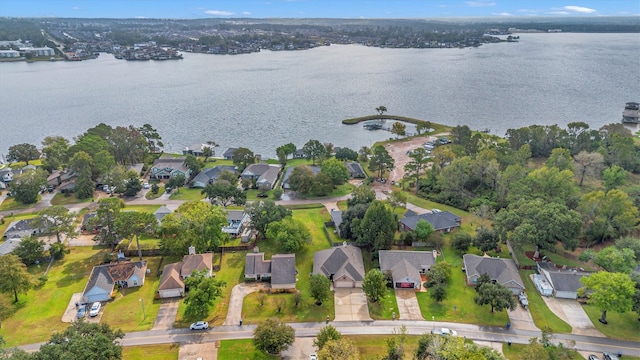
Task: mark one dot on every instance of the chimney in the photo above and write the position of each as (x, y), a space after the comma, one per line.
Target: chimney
(192, 250)
(256, 250)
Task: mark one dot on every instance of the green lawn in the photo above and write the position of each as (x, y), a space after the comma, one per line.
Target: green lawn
(384, 309)
(515, 351)
(231, 272)
(151, 196)
(141, 208)
(38, 314)
(340, 190)
(621, 326)
(125, 310)
(374, 346)
(10, 204)
(542, 316)
(67, 199)
(188, 194)
(146, 243)
(307, 310)
(241, 350)
(153, 352)
(555, 257)
(213, 162)
(459, 305)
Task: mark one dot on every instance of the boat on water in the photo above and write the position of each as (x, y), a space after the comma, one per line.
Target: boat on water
(631, 113)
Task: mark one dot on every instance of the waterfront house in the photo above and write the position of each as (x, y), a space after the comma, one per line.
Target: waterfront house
(355, 170)
(197, 149)
(6, 175)
(104, 278)
(166, 168)
(442, 221)
(285, 178)
(299, 154)
(406, 267)
(210, 175)
(343, 265)
(228, 155)
(500, 270)
(262, 173)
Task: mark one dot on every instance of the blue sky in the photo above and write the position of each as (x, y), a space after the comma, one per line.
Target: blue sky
(189, 9)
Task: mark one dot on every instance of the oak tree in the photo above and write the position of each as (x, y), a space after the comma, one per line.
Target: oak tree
(374, 285)
(608, 292)
(15, 277)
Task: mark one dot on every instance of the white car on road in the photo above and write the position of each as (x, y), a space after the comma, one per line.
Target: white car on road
(199, 325)
(444, 332)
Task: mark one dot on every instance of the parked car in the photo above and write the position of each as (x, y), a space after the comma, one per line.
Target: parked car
(95, 309)
(609, 356)
(444, 332)
(199, 325)
(593, 357)
(82, 312)
(435, 210)
(313, 356)
(145, 185)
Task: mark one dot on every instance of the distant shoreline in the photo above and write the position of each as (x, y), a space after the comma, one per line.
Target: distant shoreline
(430, 124)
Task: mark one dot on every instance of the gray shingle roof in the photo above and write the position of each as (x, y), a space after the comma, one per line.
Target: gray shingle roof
(255, 264)
(336, 217)
(355, 169)
(439, 221)
(563, 279)
(500, 270)
(283, 269)
(339, 261)
(162, 212)
(418, 259)
(230, 152)
(212, 174)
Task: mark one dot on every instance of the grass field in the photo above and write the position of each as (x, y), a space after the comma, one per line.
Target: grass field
(384, 309)
(67, 199)
(151, 196)
(459, 305)
(374, 346)
(516, 351)
(306, 310)
(38, 314)
(153, 352)
(141, 208)
(623, 326)
(10, 204)
(241, 350)
(9, 219)
(187, 194)
(542, 316)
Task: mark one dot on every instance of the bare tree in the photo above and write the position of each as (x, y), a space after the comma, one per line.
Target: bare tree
(588, 164)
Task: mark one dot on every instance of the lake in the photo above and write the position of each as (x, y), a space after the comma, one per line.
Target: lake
(267, 99)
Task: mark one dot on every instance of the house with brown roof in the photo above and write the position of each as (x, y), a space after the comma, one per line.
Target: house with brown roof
(173, 275)
(343, 265)
(280, 270)
(406, 267)
(104, 278)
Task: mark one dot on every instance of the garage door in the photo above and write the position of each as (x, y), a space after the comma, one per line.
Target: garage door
(404, 285)
(170, 293)
(343, 284)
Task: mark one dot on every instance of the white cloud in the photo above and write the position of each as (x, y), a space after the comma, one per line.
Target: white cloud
(246, 13)
(75, 8)
(502, 14)
(218, 13)
(579, 9)
(141, 17)
(479, 3)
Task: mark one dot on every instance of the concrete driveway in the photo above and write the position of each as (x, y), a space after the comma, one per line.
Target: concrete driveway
(300, 349)
(167, 314)
(573, 314)
(234, 314)
(71, 311)
(408, 304)
(350, 305)
(521, 319)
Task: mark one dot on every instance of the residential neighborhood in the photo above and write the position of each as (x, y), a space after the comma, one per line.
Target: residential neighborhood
(308, 239)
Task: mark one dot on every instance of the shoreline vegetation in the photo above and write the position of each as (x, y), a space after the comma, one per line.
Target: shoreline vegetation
(433, 127)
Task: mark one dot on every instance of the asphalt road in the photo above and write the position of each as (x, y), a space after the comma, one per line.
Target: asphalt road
(381, 327)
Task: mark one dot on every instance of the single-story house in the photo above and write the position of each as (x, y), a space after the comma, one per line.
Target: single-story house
(343, 265)
(299, 154)
(237, 221)
(228, 155)
(68, 186)
(336, 219)
(280, 270)
(196, 149)
(161, 213)
(166, 168)
(287, 174)
(23, 228)
(137, 167)
(406, 267)
(264, 174)
(500, 270)
(55, 178)
(355, 170)
(9, 245)
(443, 221)
(210, 175)
(173, 275)
(103, 279)
(565, 282)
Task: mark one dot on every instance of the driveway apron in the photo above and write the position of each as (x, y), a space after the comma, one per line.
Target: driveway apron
(351, 304)
(234, 314)
(408, 304)
(166, 314)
